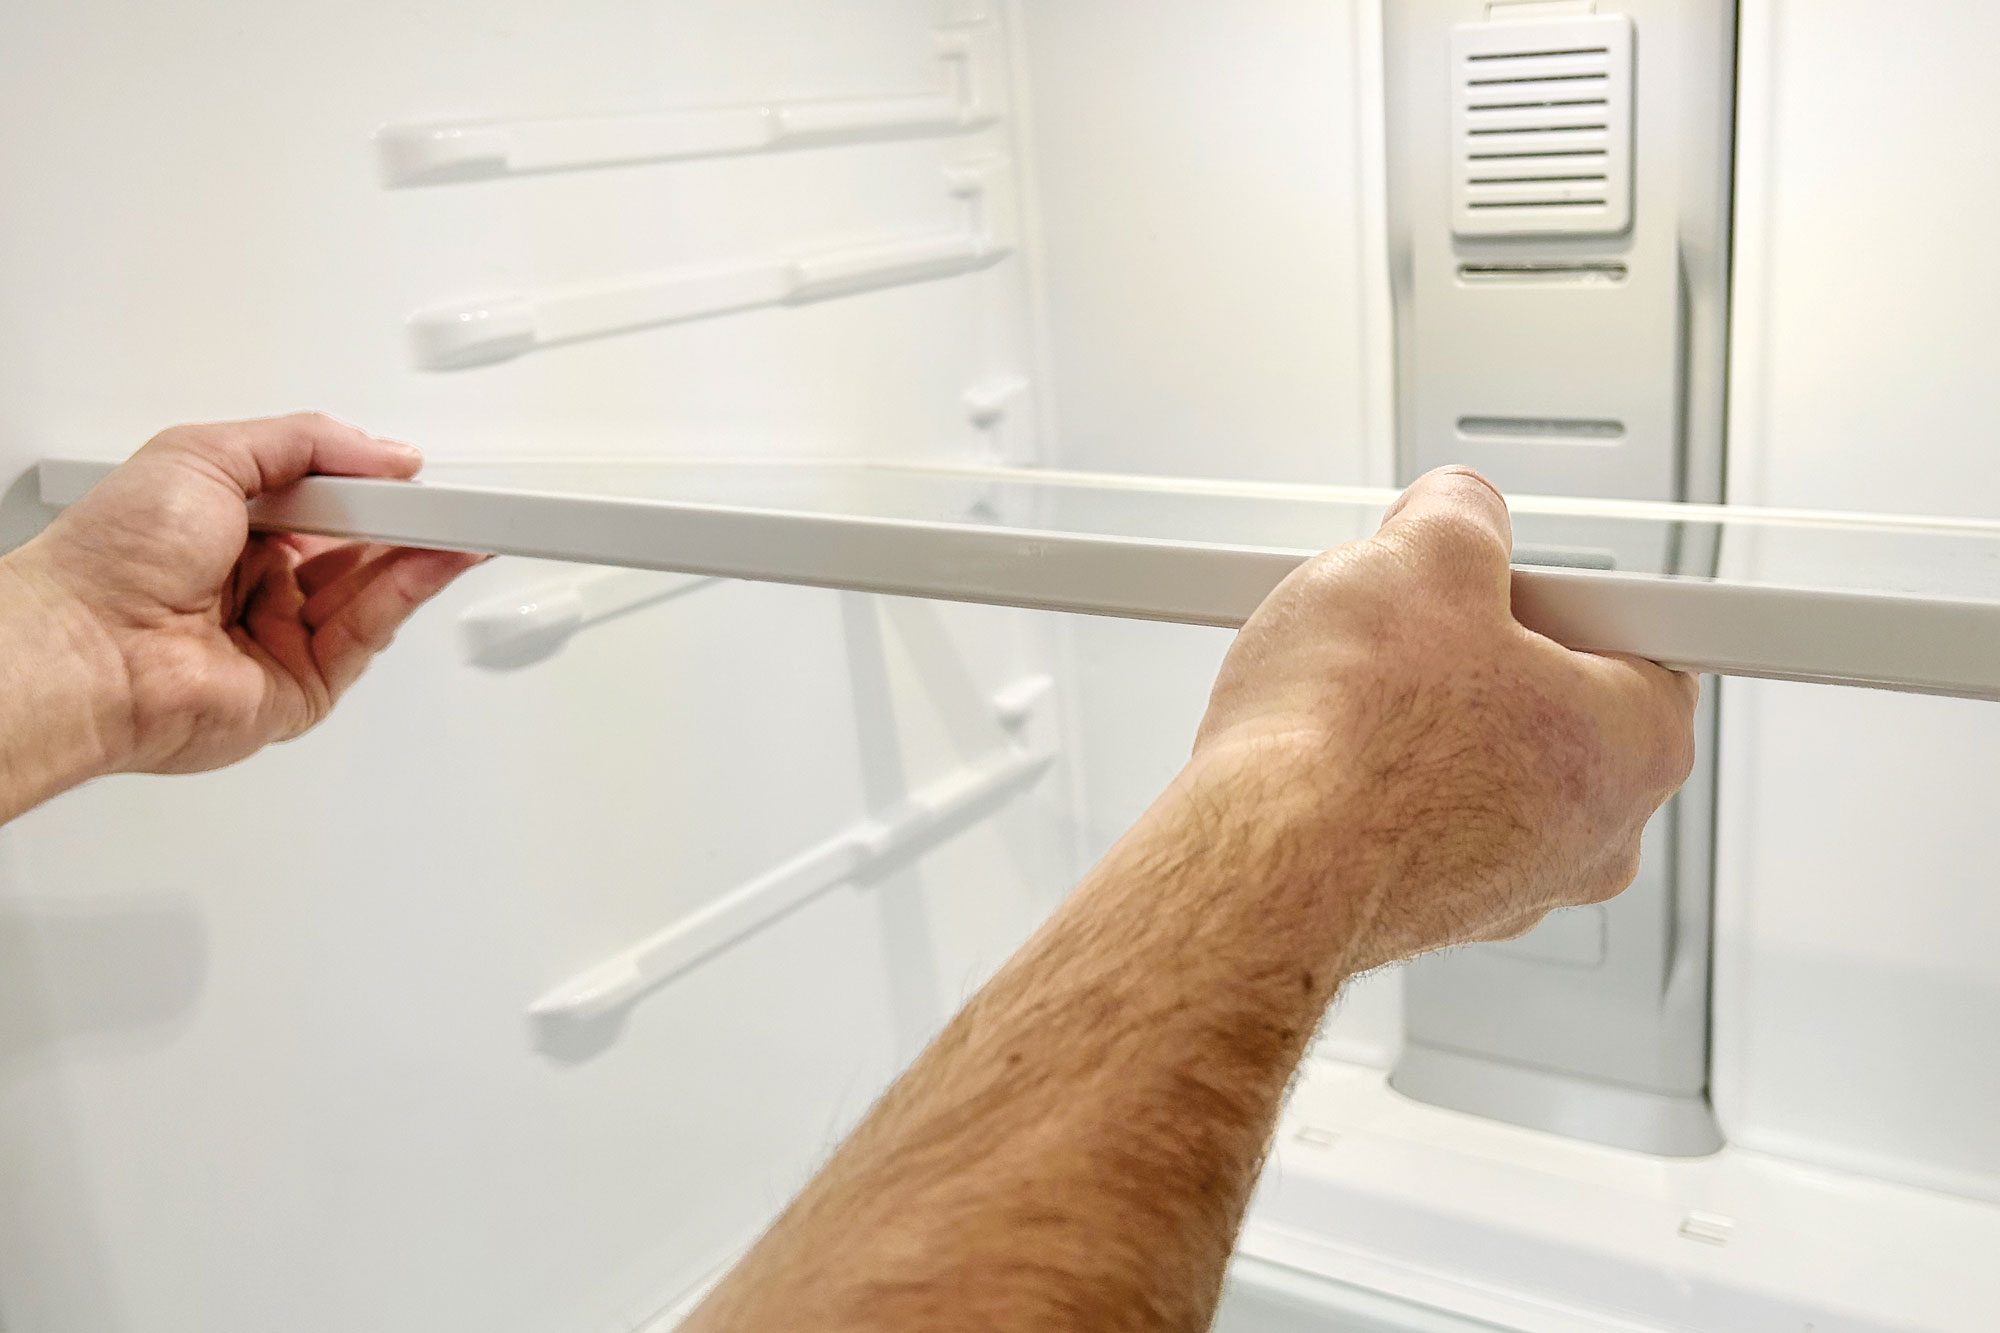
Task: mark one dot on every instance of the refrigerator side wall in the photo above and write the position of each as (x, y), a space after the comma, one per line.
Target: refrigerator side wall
(1855, 992)
(264, 1061)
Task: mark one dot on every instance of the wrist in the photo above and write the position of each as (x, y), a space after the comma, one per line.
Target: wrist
(1284, 839)
(64, 711)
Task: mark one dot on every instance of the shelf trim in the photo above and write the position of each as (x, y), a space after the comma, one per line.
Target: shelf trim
(1879, 640)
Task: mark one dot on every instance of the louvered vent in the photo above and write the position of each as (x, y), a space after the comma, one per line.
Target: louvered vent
(1542, 126)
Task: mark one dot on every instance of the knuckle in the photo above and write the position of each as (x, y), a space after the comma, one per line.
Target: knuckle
(1337, 566)
(1619, 874)
(1463, 470)
(1456, 547)
(322, 424)
(1348, 579)
(1676, 750)
(217, 444)
(185, 439)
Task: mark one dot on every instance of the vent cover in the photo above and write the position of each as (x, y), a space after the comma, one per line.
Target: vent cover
(1542, 127)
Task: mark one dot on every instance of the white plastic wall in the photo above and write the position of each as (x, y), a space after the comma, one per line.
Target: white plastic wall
(1213, 284)
(1855, 988)
(263, 1060)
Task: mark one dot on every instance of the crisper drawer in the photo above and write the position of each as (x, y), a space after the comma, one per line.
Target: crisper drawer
(1893, 603)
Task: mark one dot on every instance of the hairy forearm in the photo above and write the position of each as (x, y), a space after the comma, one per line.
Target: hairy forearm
(56, 726)
(1078, 1147)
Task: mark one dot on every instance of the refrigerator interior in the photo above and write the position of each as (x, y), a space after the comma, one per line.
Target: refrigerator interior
(266, 1049)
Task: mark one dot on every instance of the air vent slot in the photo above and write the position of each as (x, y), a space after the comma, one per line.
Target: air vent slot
(1542, 127)
(1599, 273)
(1588, 430)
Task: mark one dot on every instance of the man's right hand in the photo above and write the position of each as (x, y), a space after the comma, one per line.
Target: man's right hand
(1385, 703)
(1390, 763)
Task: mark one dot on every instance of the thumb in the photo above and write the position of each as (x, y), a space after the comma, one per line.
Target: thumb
(1457, 518)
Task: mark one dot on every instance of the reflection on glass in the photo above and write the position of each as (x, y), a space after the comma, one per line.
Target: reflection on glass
(1955, 558)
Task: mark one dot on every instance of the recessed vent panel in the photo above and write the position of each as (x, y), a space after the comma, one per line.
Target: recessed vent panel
(1561, 325)
(1542, 127)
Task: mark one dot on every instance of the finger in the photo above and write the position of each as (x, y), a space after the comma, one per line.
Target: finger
(261, 560)
(1453, 518)
(260, 456)
(334, 563)
(274, 635)
(345, 580)
(306, 544)
(398, 584)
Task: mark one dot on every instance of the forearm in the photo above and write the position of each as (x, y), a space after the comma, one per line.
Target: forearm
(1078, 1147)
(56, 726)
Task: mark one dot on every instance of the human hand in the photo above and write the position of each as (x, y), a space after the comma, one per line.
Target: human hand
(203, 641)
(1460, 774)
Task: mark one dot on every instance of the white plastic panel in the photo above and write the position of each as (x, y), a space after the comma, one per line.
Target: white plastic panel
(1856, 994)
(1541, 125)
(1560, 326)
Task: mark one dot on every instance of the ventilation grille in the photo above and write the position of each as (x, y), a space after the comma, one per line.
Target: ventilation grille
(1542, 127)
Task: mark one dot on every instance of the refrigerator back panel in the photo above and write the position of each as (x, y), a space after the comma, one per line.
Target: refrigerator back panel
(1558, 230)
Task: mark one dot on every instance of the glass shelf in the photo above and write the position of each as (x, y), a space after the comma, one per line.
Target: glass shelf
(1898, 603)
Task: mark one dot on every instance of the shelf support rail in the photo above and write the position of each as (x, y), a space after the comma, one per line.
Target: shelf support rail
(529, 625)
(924, 819)
(440, 152)
(499, 328)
